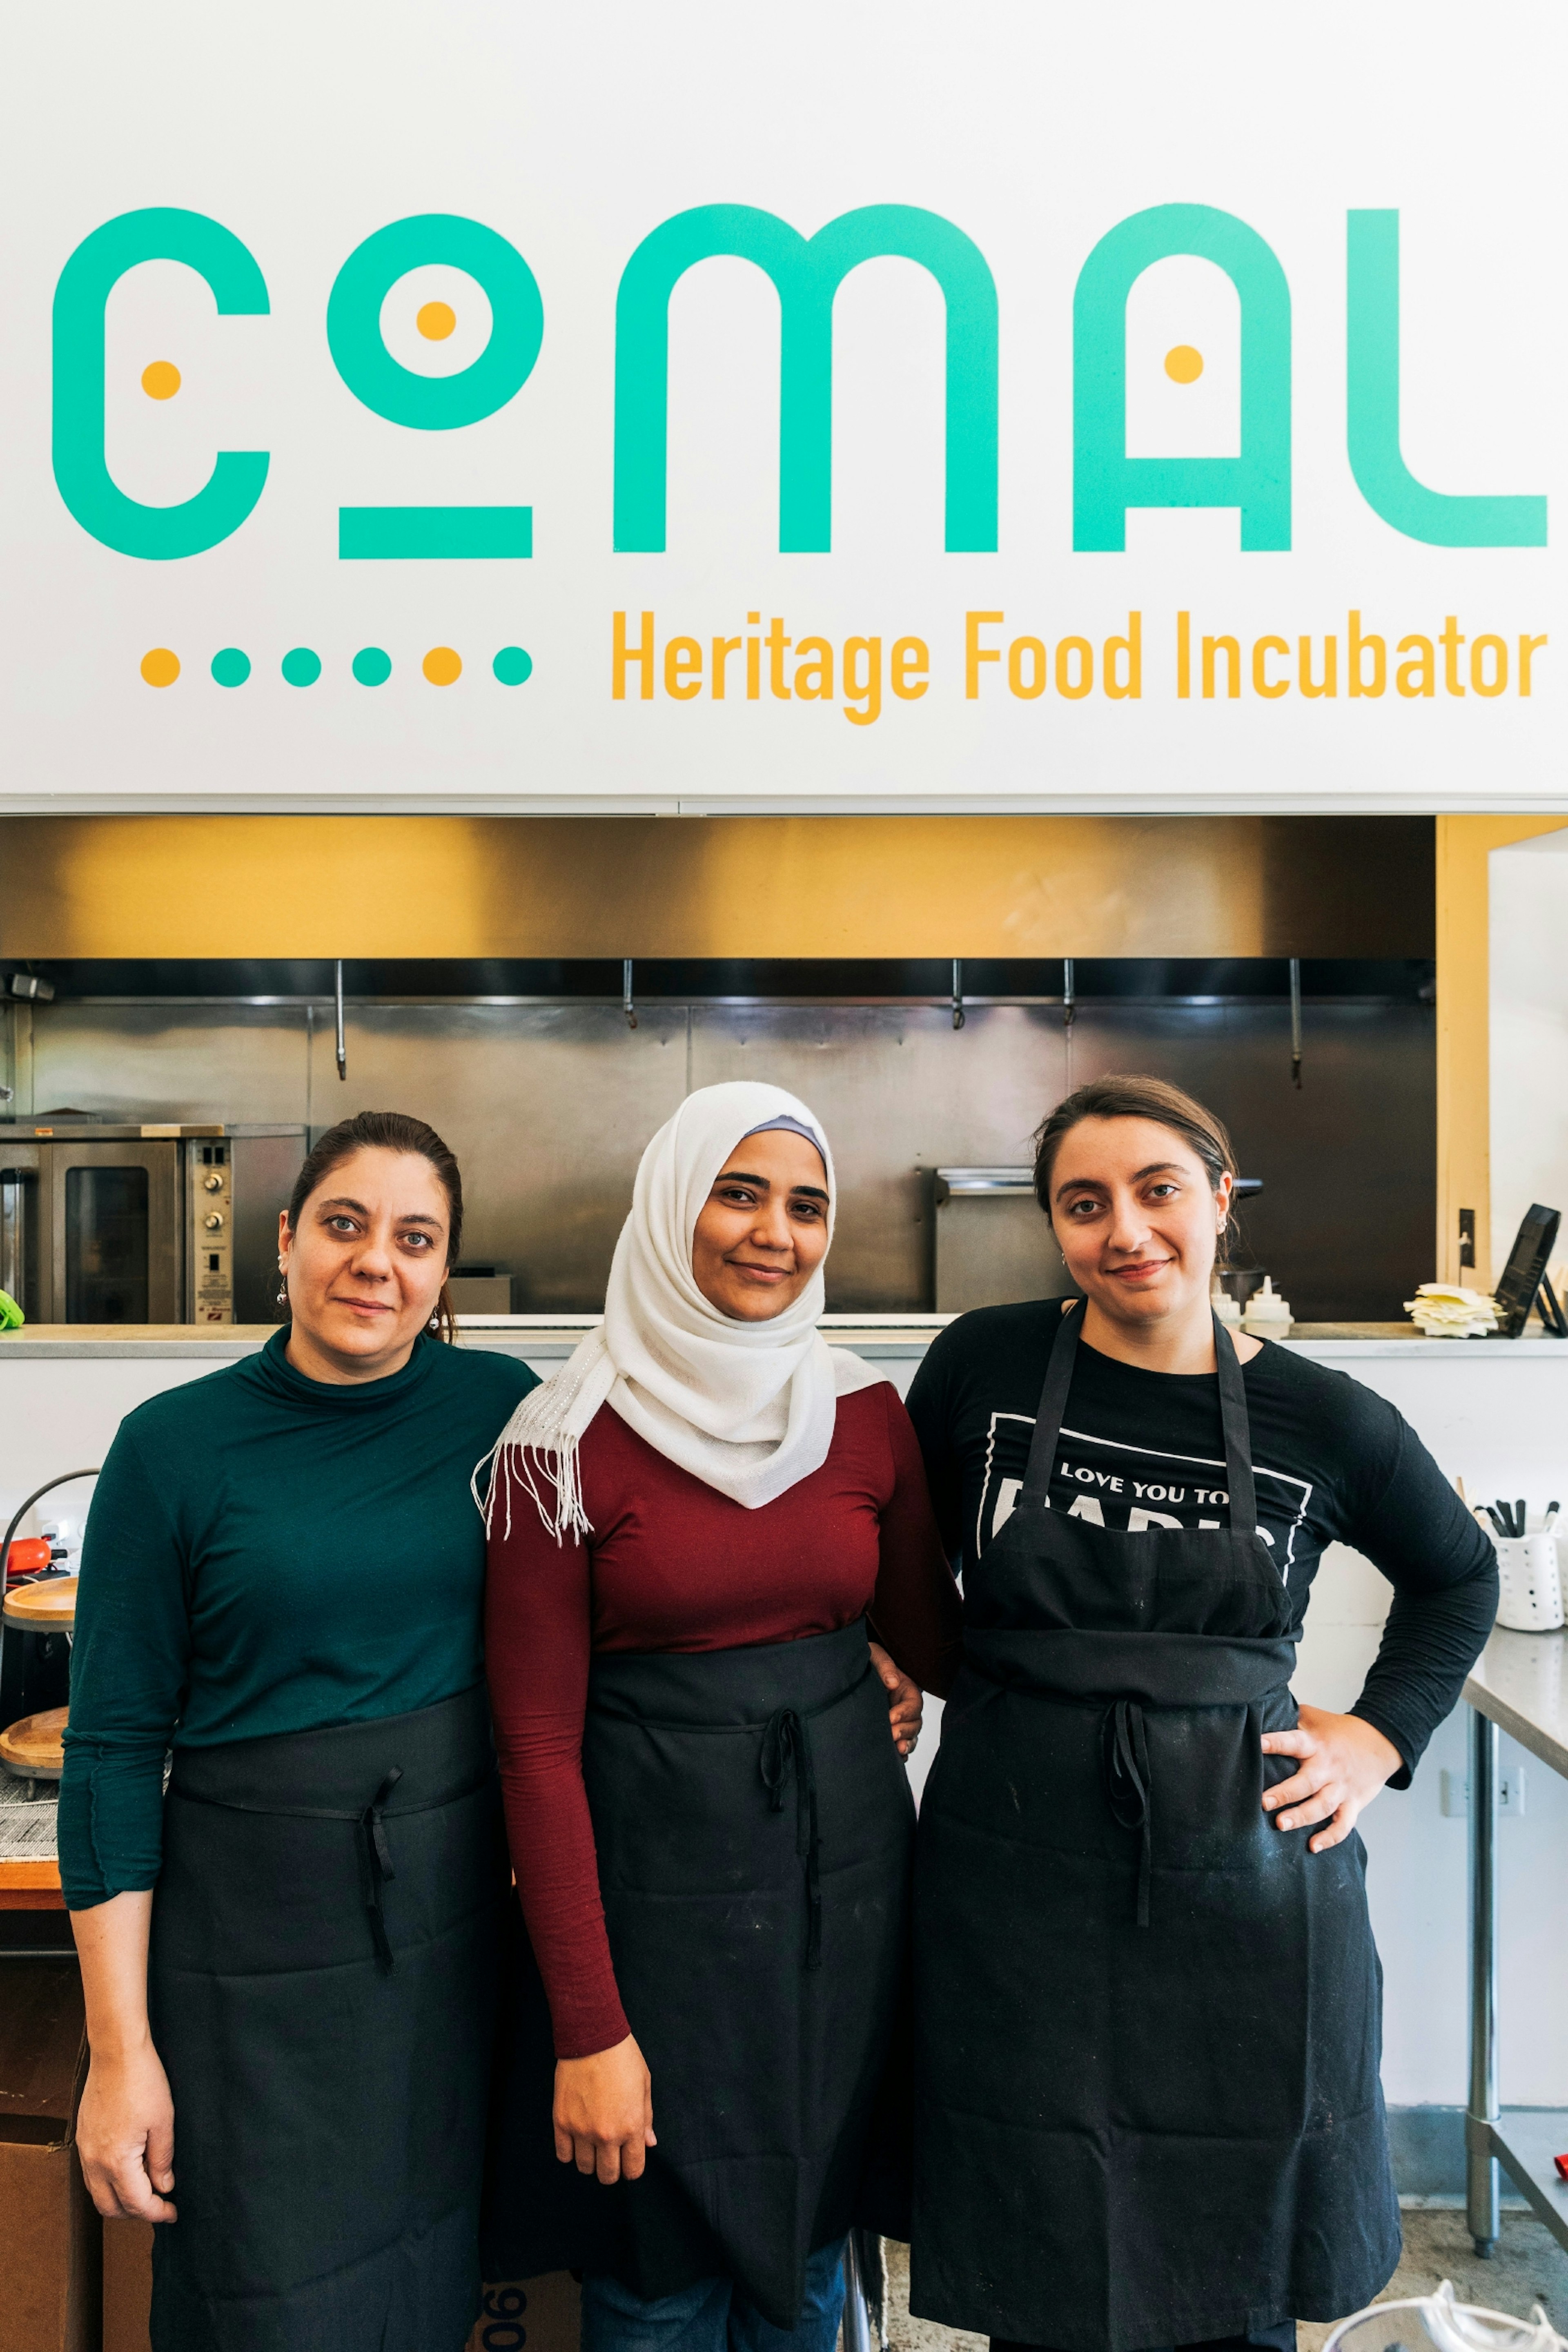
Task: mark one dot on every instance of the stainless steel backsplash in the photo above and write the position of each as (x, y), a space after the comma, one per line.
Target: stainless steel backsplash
(549, 1105)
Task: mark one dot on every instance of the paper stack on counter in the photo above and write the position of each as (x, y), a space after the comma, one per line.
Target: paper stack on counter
(1445, 1310)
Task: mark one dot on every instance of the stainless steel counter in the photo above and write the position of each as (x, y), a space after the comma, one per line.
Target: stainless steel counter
(540, 1337)
(54, 1342)
(1518, 1682)
(895, 1335)
(1517, 1687)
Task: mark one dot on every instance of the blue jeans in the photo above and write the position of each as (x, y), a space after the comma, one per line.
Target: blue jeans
(713, 2315)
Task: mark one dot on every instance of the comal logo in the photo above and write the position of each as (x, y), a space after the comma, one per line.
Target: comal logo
(380, 280)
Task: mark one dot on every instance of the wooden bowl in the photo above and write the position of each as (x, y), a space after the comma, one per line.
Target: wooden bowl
(46, 1608)
(33, 1749)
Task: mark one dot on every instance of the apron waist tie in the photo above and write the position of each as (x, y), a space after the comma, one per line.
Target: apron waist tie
(369, 1821)
(378, 1866)
(786, 1750)
(1124, 1751)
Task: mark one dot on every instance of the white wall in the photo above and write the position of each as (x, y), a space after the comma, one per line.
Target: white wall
(1529, 1026)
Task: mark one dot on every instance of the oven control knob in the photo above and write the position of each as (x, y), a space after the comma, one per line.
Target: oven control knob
(213, 1220)
(212, 1184)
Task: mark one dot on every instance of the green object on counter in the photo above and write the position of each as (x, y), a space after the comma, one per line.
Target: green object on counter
(11, 1316)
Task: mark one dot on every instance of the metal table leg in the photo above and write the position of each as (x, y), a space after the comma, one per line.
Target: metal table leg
(865, 2308)
(1480, 2164)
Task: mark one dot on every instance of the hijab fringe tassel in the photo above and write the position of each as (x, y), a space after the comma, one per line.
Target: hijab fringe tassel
(537, 1451)
(532, 1467)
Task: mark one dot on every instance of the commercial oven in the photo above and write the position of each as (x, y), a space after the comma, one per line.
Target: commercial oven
(103, 1224)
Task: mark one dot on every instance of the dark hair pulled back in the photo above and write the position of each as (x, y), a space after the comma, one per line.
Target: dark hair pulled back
(387, 1130)
(1137, 1098)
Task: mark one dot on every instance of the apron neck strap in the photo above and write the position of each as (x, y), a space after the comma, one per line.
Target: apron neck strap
(1233, 1415)
(1053, 1404)
(1237, 1433)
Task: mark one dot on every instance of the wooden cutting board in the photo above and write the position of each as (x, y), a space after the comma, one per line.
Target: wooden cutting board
(34, 1747)
(46, 1608)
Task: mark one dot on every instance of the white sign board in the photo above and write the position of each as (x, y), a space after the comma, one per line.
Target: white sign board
(855, 407)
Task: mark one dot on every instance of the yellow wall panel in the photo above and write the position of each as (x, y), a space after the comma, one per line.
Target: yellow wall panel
(788, 887)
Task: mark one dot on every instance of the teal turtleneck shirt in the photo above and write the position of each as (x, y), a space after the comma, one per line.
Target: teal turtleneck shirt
(269, 1553)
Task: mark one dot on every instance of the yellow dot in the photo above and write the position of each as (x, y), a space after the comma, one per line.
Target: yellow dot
(435, 322)
(160, 668)
(442, 666)
(1184, 365)
(161, 381)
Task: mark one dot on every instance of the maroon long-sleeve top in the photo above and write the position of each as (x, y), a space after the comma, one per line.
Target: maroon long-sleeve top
(672, 1565)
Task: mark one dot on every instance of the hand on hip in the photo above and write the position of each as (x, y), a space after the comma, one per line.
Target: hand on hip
(1343, 1762)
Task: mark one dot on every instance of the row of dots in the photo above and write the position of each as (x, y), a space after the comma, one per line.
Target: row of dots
(303, 666)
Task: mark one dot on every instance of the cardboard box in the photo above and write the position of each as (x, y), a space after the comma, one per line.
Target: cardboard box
(50, 2243)
(127, 2285)
(537, 2314)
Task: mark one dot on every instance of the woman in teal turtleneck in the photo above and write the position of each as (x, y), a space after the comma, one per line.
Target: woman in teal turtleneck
(288, 1960)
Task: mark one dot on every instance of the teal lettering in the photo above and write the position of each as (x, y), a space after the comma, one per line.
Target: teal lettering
(157, 534)
(806, 272)
(1372, 404)
(407, 533)
(434, 403)
(1106, 481)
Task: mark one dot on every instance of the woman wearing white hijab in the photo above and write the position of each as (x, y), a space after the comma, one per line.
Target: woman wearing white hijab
(692, 1526)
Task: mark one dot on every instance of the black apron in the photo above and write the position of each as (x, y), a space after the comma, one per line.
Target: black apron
(753, 1827)
(322, 1981)
(1148, 2021)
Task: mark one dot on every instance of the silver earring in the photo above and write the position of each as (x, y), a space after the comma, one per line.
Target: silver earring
(434, 1324)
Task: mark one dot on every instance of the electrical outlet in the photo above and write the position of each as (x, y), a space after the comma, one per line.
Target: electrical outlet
(1456, 1794)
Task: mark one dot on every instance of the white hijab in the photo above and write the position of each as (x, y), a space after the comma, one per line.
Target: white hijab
(749, 1408)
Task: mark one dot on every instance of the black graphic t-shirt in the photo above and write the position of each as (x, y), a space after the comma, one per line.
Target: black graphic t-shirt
(1333, 1462)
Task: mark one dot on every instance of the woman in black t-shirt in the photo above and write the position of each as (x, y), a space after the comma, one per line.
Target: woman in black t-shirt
(1148, 2004)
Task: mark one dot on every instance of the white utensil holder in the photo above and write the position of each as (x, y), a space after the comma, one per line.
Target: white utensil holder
(1530, 1578)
